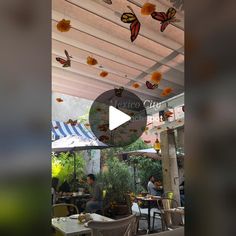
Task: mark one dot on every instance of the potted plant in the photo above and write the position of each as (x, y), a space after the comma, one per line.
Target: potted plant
(116, 183)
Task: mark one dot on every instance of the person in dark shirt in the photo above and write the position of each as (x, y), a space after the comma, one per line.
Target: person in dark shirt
(55, 182)
(65, 187)
(95, 202)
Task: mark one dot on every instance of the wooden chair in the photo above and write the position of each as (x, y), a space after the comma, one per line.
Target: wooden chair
(64, 210)
(120, 227)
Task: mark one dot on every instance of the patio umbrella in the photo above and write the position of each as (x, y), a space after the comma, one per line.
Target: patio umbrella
(76, 143)
(71, 138)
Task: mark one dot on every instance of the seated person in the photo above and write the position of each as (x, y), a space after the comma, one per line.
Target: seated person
(95, 202)
(159, 188)
(55, 182)
(65, 187)
(151, 187)
(181, 188)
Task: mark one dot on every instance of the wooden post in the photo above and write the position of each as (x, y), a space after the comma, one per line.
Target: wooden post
(169, 163)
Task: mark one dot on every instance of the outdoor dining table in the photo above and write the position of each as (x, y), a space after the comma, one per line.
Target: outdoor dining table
(70, 226)
(74, 195)
(149, 200)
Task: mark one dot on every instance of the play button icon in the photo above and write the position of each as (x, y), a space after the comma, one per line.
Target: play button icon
(117, 117)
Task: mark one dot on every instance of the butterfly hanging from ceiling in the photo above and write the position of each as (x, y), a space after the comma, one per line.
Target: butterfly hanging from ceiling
(165, 17)
(150, 85)
(108, 1)
(72, 122)
(65, 62)
(131, 18)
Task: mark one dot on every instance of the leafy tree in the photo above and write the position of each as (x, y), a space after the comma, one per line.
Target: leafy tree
(63, 166)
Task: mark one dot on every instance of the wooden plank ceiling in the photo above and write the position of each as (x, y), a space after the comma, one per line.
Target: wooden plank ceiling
(97, 31)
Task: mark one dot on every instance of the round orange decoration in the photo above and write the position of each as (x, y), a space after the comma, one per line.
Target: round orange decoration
(135, 85)
(63, 25)
(166, 91)
(91, 61)
(148, 9)
(156, 77)
(103, 74)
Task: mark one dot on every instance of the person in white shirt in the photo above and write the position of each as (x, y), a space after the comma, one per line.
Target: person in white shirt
(151, 186)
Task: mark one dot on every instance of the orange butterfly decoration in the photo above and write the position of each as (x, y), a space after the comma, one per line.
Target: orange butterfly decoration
(131, 18)
(65, 62)
(165, 17)
(168, 114)
(72, 122)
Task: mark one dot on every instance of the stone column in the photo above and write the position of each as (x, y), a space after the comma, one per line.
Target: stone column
(169, 163)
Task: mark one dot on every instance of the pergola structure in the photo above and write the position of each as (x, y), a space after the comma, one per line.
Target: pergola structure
(97, 31)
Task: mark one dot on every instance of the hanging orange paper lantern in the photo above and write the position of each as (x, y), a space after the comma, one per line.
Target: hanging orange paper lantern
(63, 25)
(148, 9)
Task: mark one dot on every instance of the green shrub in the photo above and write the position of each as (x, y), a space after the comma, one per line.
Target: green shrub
(116, 181)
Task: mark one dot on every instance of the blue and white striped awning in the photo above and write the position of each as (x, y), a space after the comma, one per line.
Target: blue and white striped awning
(68, 137)
(61, 130)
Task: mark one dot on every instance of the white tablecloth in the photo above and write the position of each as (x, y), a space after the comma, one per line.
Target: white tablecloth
(71, 227)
